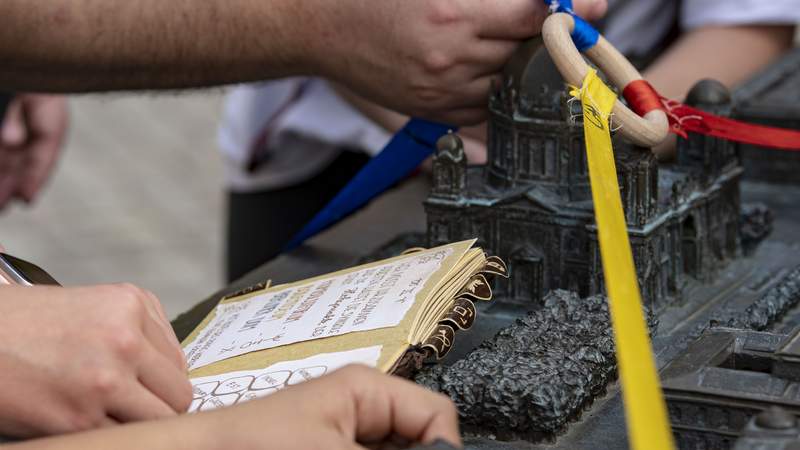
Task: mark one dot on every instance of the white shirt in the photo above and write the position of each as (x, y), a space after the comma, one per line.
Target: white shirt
(304, 138)
(306, 134)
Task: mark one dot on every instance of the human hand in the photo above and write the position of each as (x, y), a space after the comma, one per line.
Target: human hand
(473, 137)
(427, 58)
(78, 358)
(353, 408)
(31, 138)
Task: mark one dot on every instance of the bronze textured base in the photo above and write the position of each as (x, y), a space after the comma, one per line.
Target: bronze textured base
(544, 379)
(535, 376)
(760, 292)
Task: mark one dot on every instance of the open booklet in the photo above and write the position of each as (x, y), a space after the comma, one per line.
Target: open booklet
(390, 314)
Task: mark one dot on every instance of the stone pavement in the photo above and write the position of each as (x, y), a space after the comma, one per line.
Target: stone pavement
(137, 197)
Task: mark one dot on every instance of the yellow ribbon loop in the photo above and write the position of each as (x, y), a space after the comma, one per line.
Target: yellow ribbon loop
(645, 409)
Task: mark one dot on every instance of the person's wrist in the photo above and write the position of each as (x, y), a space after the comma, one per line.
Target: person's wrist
(195, 432)
(212, 430)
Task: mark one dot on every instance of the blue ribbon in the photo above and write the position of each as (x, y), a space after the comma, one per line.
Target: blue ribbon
(564, 6)
(407, 149)
(584, 35)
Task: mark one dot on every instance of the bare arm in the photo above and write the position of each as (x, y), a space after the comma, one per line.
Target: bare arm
(72, 359)
(97, 45)
(730, 55)
(391, 120)
(432, 58)
(352, 406)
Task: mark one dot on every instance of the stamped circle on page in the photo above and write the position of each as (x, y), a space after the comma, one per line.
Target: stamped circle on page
(195, 405)
(233, 385)
(271, 380)
(309, 373)
(252, 395)
(219, 401)
(204, 389)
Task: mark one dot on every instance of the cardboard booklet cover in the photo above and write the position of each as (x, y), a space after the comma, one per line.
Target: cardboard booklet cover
(390, 314)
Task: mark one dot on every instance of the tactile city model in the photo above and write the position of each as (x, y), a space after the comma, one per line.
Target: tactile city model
(721, 293)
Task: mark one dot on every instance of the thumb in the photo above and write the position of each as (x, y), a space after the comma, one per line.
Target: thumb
(13, 132)
(591, 9)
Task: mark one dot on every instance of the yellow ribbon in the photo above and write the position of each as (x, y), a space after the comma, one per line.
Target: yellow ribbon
(645, 409)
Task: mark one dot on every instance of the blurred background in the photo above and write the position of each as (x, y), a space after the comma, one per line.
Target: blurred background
(137, 197)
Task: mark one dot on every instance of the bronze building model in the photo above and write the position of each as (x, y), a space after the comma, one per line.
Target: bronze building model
(544, 379)
(717, 256)
(531, 203)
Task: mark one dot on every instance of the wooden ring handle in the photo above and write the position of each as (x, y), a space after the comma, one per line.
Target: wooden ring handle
(647, 131)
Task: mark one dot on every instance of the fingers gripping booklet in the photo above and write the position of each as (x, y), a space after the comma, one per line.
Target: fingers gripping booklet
(390, 314)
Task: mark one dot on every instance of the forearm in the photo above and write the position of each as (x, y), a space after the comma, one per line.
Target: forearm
(173, 434)
(730, 55)
(84, 45)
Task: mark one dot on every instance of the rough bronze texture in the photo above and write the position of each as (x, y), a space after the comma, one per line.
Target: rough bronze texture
(535, 376)
(772, 306)
(725, 378)
(756, 225)
(773, 429)
(732, 373)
